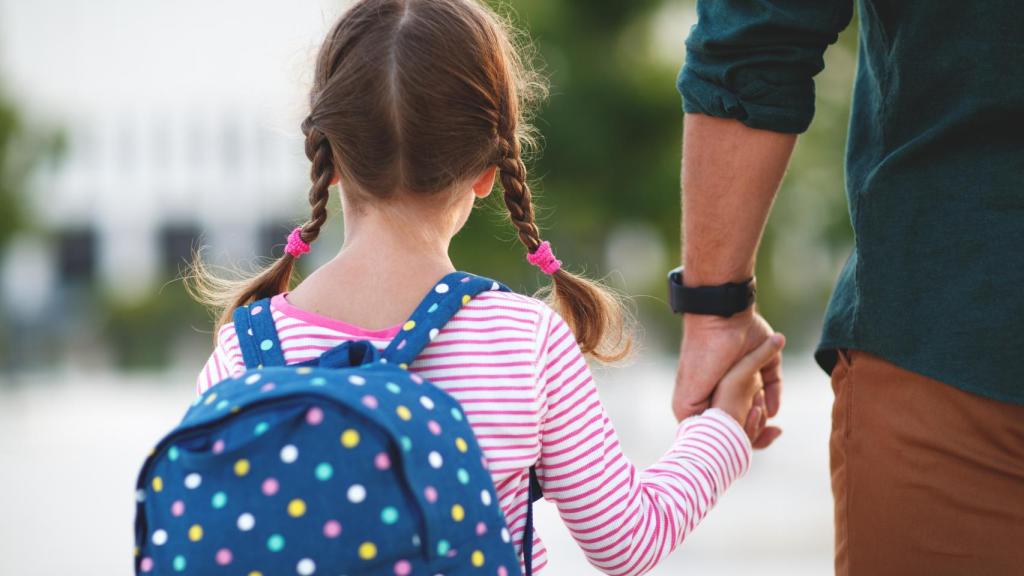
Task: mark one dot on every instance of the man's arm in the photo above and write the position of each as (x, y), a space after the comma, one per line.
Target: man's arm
(730, 176)
(748, 89)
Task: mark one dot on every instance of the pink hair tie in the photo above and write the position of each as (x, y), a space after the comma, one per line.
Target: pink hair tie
(544, 259)
(296, 245)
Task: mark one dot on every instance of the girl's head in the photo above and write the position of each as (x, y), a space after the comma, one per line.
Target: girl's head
(415, 101)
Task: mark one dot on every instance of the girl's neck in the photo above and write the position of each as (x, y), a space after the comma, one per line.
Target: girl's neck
(386, 265)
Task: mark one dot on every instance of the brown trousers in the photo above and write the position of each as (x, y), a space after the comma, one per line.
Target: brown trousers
(927, 479)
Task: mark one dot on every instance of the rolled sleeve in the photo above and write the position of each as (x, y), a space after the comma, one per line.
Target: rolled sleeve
(755, 61)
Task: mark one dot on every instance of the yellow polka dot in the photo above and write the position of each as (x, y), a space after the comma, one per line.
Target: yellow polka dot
(241, 467)
(367, 550)
(303, 370)
(195, 533)
(461, 445)
(403, 413)
(210, 398)
(409, 325)
(350, 438)
(235, 409)
(158, 484)
(458, 513)
(296, 508)
(466, 299)
(136, 550)
(255, 573)
(403, 366)
(477, 558)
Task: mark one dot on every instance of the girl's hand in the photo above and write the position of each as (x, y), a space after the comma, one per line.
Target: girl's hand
(737, 393)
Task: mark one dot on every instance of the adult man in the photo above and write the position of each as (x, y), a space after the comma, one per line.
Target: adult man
(926, 324)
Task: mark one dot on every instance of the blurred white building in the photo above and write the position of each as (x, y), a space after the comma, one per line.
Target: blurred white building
(182, 120)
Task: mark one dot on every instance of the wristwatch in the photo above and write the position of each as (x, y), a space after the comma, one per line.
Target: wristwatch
(722, 300)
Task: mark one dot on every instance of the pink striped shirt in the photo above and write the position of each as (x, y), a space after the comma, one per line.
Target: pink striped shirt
(515, 367)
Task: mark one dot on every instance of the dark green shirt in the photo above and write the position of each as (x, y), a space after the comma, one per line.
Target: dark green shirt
(934, 168)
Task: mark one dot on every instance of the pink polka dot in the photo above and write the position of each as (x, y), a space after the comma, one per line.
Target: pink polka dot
(270, 486)
(146, 564)
(403, 568)
(256, 310)
(369, 401)
(382, 461)
(267, 387)
(430, 494)
(481, 529)
(223, 557)
(416, 378)
(332, 529)
(218, 446)
(434, 427)
(314, 416)
(178, 508)
(502, 571)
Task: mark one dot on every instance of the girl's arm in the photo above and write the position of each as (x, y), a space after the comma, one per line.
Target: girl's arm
(625, 520)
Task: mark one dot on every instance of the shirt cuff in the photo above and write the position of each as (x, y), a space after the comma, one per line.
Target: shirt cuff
(718, 438)
(757, 105)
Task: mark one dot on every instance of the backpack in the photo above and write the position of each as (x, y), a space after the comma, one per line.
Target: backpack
(347, 464)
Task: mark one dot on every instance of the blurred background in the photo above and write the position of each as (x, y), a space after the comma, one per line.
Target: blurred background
(132, 131)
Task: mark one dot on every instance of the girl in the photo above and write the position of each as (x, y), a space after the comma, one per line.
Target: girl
(416, 108)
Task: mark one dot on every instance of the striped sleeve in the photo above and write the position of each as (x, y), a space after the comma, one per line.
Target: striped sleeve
(624, 519)
(225, 361)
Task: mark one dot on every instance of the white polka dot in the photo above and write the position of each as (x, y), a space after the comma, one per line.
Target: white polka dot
(289, 454)
(505, 536)
(246, 522)
(356, 380)
(356, 493)
(441, 288)
(495, 286)
(485, 497)
(433, 333)
(193, 480)
(305, 567)
(140, 495)
(252, 379)
(435, 459)
(416, 540)
(427, 402)
(160, 537)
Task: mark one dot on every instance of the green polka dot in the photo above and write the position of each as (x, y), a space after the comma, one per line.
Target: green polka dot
(261, 428)
(266, 345)
(219, 500)
(443, 547)
(393, 388)
(275, 543)
(222, 404)
(324, 471)
(173, 453)
(463, 476)
(456, 414)
(179, 563)
(432, 309)
(389, 515)
(318, 381)
(406, 443)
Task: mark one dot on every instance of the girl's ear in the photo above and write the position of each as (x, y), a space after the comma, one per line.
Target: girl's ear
(485, 182)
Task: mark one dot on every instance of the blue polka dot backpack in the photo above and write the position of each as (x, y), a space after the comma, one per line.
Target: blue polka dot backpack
(346, 465)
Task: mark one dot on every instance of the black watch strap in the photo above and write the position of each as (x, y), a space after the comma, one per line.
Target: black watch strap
(721, 300)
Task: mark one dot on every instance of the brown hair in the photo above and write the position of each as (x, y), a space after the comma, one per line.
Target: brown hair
(415, 97)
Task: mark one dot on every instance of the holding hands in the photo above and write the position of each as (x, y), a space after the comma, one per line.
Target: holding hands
(734, 364)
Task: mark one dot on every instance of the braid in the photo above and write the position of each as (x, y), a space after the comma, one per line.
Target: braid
(595, 315)
(318, 150)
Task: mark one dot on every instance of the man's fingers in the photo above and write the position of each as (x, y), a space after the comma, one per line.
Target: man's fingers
(767, 436)
(751, 364)
(771, 374)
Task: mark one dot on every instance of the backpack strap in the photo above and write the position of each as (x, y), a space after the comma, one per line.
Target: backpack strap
(536, 493)
(433, 312)
(257, 336)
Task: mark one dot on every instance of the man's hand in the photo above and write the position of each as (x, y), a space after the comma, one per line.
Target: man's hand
(711, 346)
